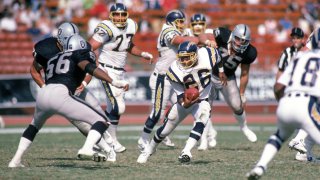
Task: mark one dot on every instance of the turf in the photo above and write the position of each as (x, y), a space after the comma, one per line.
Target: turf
(53, 156)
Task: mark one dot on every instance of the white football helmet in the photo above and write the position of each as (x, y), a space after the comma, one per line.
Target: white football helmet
(65, 30)
(75, 42)
(240, 38)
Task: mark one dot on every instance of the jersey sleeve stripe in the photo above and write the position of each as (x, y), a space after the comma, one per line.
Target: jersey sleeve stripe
(283, 60)
(211, 58)
(106, 28)
(172, 76)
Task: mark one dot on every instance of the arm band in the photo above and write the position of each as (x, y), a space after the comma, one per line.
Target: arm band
(90, 67)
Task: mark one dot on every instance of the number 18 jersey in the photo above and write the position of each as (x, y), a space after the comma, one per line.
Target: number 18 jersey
(303, 74)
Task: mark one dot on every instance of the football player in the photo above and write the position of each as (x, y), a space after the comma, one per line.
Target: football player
(299, 93)
(235, 48)
(64, 73)
(46, 49)
(198, 25)
(297, 38)
(168, 41)
(193, 69)
(114, 38)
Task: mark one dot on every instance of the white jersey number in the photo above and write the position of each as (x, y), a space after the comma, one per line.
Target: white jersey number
(62, 65)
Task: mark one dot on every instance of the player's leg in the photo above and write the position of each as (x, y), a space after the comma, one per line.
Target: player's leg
(201, 113)
(232, 97)
(42, 113)
(297, 143)
(115, 108)
(160, 91)
(175, 115)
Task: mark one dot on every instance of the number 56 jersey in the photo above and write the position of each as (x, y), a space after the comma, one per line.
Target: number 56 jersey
(198, 76)
(303, 74)
(115, 42)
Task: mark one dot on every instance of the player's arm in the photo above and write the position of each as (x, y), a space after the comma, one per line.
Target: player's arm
(278, 90)
(134, 50)
(35, 71)
(93, 70)
(208, 39)
(244, 79)
(180, 39)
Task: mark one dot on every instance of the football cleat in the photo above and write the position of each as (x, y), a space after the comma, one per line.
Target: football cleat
(203, 145)
(251, 136)
(167, 141)
(255, 173)
(143, 157)
(185, 157)
(15, 164)
(118, 148)
(212, 142)
(301, 157)
(142, 144)
(89, 153)
(298, 145)
(112, 155)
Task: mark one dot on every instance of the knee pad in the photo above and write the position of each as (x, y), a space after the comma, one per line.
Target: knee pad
(30, 132)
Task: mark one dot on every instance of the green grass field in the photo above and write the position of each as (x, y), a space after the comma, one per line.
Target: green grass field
(53, 156)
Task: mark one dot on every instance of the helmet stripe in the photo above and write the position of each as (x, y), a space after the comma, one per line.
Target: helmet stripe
(245, 29)
(74, 30)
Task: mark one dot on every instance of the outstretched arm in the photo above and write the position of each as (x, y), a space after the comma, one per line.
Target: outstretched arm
(35, 71)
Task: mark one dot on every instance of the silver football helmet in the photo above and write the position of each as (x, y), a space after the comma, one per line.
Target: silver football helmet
(65, 30)
(240, 38)
(75, 42)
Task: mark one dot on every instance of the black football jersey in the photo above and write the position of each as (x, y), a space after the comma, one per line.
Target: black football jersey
(45, 50)
(63, 68)
(231, 62)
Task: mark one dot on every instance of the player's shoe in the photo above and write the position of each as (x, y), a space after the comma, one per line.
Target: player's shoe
(167, 141)
(251, 136)
(91, 154)
(185, 157)
(118, 148)
(112, 155)
(255, 173)
(301, 157)
(298, 145)
(142, 144)
(203, 145)
(212, 142)
(143, 157)
(15, 164)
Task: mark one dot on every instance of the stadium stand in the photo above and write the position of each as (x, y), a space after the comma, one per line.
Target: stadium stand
(16, 48)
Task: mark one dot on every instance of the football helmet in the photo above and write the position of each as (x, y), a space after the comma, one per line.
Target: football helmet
(119, 15)
(198, 24)
(240, 38)
(176, 18)
(315, 39)
(65, 30)
(187, 54)
(75, 42)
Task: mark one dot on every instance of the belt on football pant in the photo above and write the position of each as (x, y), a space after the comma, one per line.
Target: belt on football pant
(113, 67)
(297, 94)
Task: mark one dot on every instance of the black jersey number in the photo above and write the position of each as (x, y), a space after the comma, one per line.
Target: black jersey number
(128, 40)
(203, 76)
(60, 66)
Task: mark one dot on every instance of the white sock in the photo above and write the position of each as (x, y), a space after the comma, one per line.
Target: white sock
(205, 133)
(211, 131)
(24, 145)
(309, 145)
(112, 130)
(268, 153)
(191, 142)
(301, 135)
(241, 119)
(153, 145)
(145, 135)
(103, 145)
(92, 139)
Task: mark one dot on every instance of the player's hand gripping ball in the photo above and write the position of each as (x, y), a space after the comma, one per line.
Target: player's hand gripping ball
(191, 93)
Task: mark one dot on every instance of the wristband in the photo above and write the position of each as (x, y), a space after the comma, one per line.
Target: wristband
(221, 69)
(84, 83)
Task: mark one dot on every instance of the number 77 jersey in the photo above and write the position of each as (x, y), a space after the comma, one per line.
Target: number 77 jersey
(198, 76)
(303, 74)
(115, 42)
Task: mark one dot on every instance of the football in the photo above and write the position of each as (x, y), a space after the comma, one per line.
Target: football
(191, 93)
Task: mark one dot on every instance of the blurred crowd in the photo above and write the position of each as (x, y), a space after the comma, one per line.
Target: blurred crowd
(40, 19)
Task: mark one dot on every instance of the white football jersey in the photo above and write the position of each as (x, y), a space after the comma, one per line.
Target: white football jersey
(189, 32)
(167, 51)
(115, 41)
(198, 76)
(303, 74)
